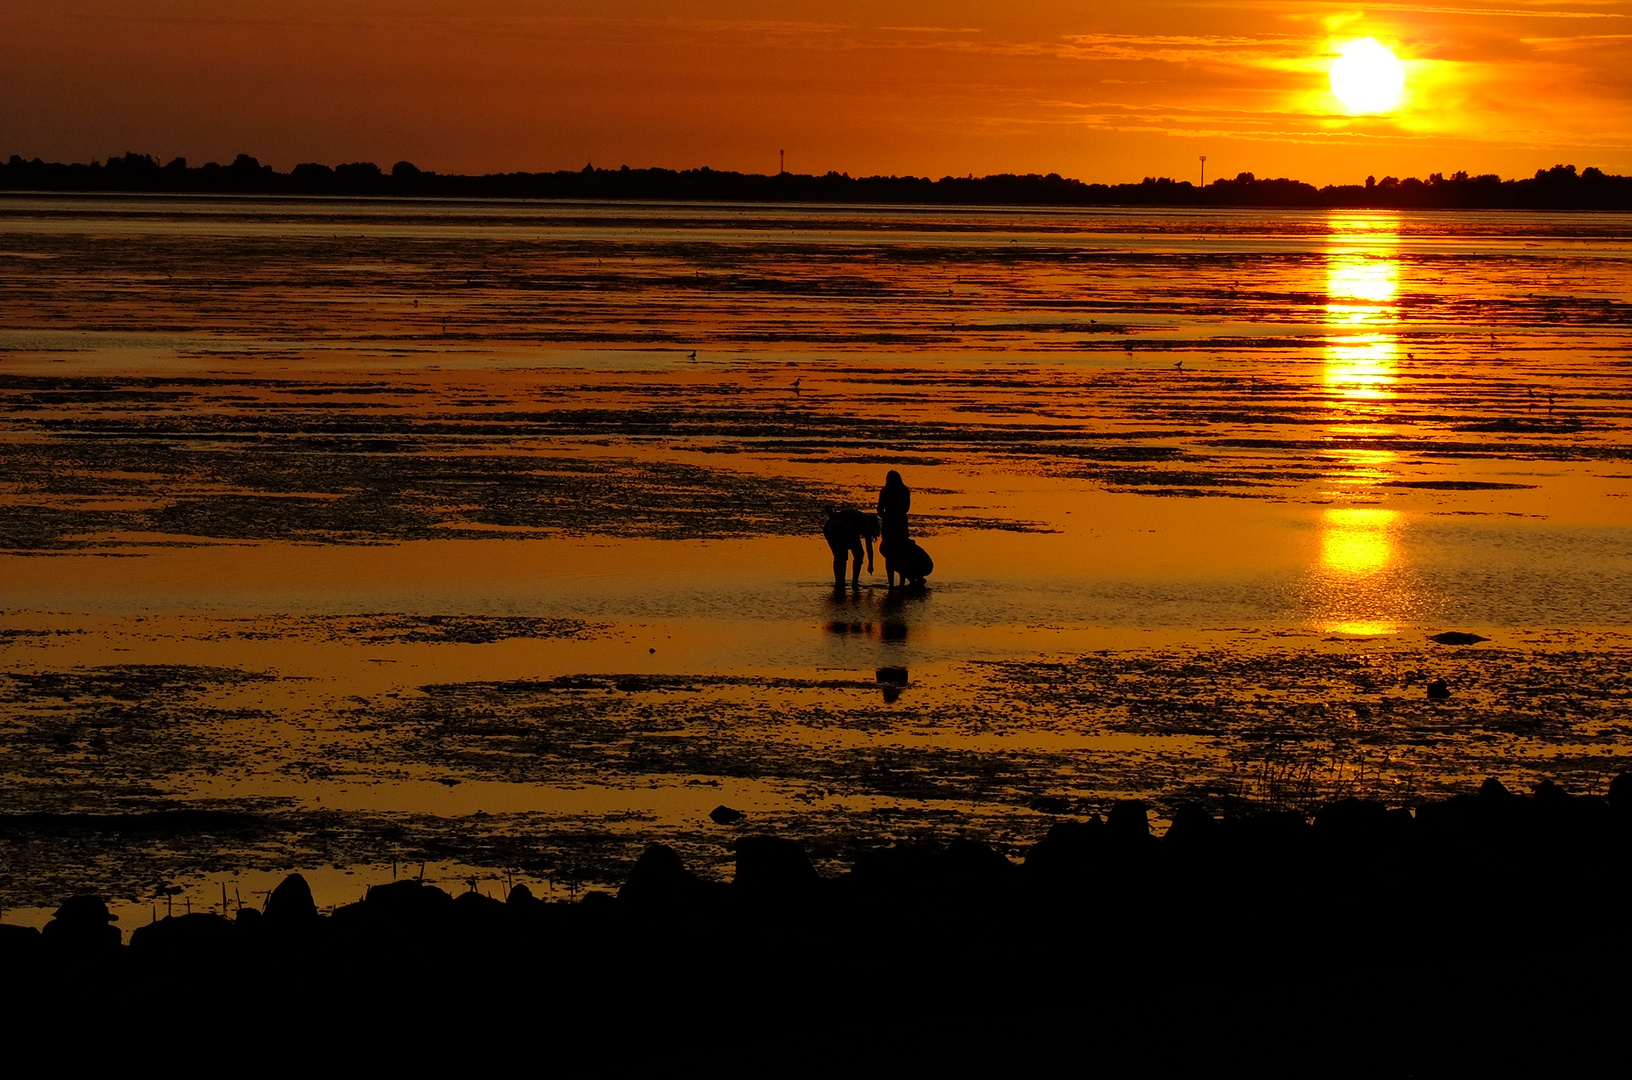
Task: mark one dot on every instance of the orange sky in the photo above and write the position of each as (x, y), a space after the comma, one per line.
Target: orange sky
(1107, 91)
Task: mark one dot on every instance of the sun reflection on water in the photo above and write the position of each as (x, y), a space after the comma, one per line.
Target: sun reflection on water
(1362, 283)
(1355, 593)
(1357, 548)
(1357, 540)
(1355, 469)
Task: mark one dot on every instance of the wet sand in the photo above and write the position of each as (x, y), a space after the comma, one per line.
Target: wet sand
(353, 530)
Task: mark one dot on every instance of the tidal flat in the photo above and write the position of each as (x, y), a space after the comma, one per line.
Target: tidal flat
(486, 536)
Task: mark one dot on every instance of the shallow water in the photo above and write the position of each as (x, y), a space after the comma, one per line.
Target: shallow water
(394, 530)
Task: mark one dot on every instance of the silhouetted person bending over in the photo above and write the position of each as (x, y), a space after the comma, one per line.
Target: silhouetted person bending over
(846, 532)
(893, 503)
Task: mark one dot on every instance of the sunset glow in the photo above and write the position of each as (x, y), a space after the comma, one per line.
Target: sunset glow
(1023, 537)
(1110, 92)
(1367, 78)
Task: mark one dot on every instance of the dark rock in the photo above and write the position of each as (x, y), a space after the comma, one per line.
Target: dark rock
(406, 913)
(410, 898)
(1350, 820)
(1129, 820)
(477, 911)
(522, 897)
(194, 935)
(1435, 818)
(599, 901)
(660, 879)
(1270, 832)
(81, 924)
(18, 944)
(901, 868)
(476, 901)
(1493, 790)
(291, 903)
(1401, 822)
(1438, 691)
(84, 910)
(1049, 804)
(1069, 851)
(725, 815)
(1192, 827)
(896, 676)
(1457, 637)
(970, 864)
(1549, 795)
(1620, 793)
(772, 864)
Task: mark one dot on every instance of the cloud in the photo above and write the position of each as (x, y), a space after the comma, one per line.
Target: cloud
(1582, 41)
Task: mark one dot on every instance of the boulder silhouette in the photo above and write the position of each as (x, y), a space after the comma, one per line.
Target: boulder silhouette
(1352, 821)
(407, 913)
(477, 911)
(1068, 852)
(1457, 637)
(1192, 828)
(1620, 793)
(1438, 691)
(725, 815)
(82, 925)
(1269, 832)
(1550, 798)
(906, 868)
(18, 944)
(971, 865)
(408, 898)
(660, 880)
(1129, 820)
(770, 864)
(195, 935)
(291, 903)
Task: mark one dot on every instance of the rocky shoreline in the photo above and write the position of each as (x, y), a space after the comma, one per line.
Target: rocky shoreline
(1484, 928)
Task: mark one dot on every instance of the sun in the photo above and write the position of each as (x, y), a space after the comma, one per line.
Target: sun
(1367, 77)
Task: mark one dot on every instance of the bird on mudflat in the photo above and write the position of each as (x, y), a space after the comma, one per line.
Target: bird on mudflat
(796, 383)
(692, 355)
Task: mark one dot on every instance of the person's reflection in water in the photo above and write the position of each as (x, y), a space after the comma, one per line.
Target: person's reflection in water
(894, 502)
(893, 627)
(849, 615)
(846, 531)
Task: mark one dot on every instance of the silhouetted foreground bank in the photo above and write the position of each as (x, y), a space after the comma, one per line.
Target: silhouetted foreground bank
(1558, 188)
(1484, 930)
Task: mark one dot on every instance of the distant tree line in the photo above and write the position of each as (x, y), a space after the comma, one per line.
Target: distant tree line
(1558, 188)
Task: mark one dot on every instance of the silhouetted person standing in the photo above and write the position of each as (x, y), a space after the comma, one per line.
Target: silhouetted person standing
(846, 532)
(893, 504)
